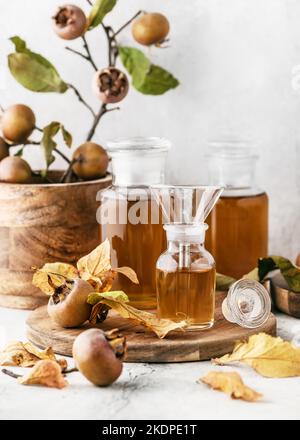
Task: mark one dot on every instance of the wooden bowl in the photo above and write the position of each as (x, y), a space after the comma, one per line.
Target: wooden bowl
(284, 299)
(41, 223)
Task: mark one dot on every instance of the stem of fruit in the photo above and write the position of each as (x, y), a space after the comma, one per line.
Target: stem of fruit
(81, 99)
(88, 56)
(102, 111)
(67, 176)
(10, 373)
(88, 53)
(62, 155)
(112, 45)
(127, 23)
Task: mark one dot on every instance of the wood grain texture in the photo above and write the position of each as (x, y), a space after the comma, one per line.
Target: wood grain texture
(143, 345)
(43, 223)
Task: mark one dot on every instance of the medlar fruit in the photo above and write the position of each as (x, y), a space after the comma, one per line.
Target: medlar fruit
(4, 149)
(14, 169)
(17, 123)
(110, 85)
(150, 28)
(68, 306)
(69, 22)
(95, 357)
(298, 260)
(92, 161)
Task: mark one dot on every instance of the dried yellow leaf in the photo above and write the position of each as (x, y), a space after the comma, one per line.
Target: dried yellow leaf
(45, 372)
(129, 273)
(269, 356)
(96, 263)
(118, 302)
(232, 384)
(27, 355)
(53, 275)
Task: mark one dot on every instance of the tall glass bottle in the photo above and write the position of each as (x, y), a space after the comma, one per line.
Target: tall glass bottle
(238, 233)
(129, 215)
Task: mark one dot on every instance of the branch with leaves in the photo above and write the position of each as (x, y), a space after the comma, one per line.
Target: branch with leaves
(38, 74)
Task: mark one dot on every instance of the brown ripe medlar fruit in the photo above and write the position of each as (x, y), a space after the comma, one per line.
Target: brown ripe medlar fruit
(17, 123)
(110, 85)
(14, 169)
(150, 28)
(69, 22)
(4, 149)
(95, 358)
(298, 260)
(68, 306)
(92, 161)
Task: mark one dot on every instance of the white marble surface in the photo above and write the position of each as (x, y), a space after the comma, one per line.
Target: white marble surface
(146, 391)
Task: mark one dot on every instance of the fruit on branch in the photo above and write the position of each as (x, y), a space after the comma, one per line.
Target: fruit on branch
(110, 85)
(92, 161)
(4, 149)
(95, 358)
(150, 28)
(14, 169)
(69, 22)
(68, 306)
(17, 123)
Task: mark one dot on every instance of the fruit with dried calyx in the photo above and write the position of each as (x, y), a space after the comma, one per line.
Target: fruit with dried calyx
(4, 149)
(98, 356)
(14, 169)
(110, 85)
(68, 306)
(91, 161)
(69, 22)
(150, 28)
(17, 123)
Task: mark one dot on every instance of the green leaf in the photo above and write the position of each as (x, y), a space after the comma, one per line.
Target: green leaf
(118, 295)
(147, 78)
(289, 271)
(48, 143)
(224, 282)
(136, 63)
(33, 71)
(157, 82)
(98, 12)
(265, 265)
(67, 137)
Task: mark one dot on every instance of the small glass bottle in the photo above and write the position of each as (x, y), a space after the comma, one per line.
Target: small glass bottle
(238, 234)
(186, 277)
(126, 216)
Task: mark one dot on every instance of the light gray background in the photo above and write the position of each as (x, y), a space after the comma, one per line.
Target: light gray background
(237, 61)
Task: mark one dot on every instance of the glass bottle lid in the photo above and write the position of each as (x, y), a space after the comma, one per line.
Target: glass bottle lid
(248, 304)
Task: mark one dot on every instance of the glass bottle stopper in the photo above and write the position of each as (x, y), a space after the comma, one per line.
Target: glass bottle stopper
(247, 304)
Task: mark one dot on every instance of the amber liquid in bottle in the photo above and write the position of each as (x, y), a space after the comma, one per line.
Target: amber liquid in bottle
(137, 246)
(187, 294)
(238, 233)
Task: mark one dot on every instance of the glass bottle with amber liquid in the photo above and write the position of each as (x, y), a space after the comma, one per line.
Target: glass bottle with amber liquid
(129, 217)
(186, 278)
(238, 225)
(185, 272)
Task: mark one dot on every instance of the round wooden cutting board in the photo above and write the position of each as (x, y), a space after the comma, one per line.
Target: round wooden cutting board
(143, 345)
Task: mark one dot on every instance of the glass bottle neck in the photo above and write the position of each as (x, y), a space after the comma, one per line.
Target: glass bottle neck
(186, 236)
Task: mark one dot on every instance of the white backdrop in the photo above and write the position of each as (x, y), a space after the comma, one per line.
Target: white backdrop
(235, 61)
